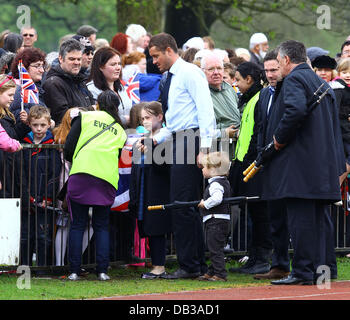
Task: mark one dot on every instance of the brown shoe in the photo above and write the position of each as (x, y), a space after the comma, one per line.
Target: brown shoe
(216, 278)
(204, 277)
(274, 273)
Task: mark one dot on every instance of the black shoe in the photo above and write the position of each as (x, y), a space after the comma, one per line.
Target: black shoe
(291, 280)
(258, 267)
(181, 274)
(151, 276)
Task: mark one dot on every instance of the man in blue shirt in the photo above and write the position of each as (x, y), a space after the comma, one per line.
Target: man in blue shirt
(190, 125)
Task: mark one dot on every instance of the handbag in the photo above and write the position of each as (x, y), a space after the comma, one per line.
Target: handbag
(61, 195)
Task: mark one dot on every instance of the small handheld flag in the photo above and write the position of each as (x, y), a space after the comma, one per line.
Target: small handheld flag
(29, 91)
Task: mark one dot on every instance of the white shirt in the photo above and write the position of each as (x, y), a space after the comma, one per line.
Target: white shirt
(189, 104)
(125, 103)
(216, 192)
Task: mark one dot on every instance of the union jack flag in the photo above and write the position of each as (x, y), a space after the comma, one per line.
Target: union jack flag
(29, 91)
(132, 87)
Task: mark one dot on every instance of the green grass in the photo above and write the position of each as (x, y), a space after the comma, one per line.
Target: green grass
(126, 282)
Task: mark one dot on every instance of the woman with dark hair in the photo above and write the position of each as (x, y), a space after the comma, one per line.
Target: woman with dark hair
(105, 75)
(33, 59)
(13, 42)
(93, 146)
(249, 82)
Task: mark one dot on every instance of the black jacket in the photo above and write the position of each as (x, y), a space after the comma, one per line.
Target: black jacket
(64, 91)
(342, 93)
(309, 165)
(156, 191)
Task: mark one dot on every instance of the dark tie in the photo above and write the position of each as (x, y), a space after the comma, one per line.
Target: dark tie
(165, 93)
(272, 92)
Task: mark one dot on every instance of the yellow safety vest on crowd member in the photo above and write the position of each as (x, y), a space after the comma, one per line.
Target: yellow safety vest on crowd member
(99, 157)
(247, 127)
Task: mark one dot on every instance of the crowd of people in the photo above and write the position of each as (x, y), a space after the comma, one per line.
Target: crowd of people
(144, 122)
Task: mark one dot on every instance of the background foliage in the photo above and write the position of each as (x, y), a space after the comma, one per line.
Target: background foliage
(229, 22)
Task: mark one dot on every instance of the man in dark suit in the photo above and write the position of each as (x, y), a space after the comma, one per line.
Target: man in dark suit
(305, 171)
(277, 209)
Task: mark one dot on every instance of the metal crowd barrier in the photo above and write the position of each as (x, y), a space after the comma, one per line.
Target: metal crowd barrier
(45, 229)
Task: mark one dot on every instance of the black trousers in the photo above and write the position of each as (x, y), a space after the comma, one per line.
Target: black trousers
(157, 246)
(216, 233)
(312, 238)
(280, 234)
(261, 230)
(186, 185)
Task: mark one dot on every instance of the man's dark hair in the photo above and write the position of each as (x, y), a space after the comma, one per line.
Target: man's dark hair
(86, 30)
(346, 43)
(69, 46)
(13, 42)
(271, 55)
(162, 41)
(295, 50)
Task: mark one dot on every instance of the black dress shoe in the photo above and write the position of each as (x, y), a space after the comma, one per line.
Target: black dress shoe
(181, 274)
(150, 275)
(291, 280)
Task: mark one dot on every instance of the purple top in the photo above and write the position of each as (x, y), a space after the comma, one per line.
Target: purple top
(86, 189)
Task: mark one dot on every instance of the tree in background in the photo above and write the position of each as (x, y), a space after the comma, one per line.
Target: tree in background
(181, 18)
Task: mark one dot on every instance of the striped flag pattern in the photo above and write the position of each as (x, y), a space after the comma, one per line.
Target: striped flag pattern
(29, 91)
(132, 88)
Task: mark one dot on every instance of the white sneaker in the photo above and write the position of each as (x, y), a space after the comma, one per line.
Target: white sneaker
(338, 203)
(73, 277)
(103, 277)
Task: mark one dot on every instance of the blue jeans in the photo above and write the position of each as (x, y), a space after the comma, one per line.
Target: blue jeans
(100, 224)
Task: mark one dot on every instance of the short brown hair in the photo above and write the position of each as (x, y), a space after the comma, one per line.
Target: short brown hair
(154, 108)
(162, 41)
(133, 57)
(211, 43)
(37, 112)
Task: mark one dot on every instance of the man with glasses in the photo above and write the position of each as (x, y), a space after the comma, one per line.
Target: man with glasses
(345, 49)
(224, 98)
(30, 36)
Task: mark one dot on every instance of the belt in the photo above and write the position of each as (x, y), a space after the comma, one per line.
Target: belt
(174, 133)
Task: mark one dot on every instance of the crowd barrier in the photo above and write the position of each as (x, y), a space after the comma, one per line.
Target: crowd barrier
(43, 238)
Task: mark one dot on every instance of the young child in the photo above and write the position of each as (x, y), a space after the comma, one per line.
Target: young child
(13, 130)
(216, 215)
(60, 134)
(41, 168)
(341, 87)
(154, 190)
(125, 242)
